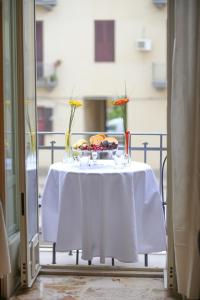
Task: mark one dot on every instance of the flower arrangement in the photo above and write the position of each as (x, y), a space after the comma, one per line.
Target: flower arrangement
(74, 104)
(122, 103)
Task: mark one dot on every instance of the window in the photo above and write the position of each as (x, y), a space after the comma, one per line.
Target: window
(104, 41)
(44, 122)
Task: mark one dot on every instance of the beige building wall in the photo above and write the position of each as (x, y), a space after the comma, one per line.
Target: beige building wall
(69, 37)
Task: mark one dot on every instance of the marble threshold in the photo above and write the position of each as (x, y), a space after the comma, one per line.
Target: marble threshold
(94, 288)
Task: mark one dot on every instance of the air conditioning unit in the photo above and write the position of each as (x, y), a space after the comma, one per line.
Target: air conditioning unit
(144, 44)
(48, 4)
(160, 3)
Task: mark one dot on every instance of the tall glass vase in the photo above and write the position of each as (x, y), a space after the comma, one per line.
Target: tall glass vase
(68, 155)
(127, 145)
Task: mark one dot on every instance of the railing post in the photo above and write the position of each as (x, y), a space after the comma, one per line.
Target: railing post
(52, 151)
(145, 151)
(54, 244)
(162, 181)
(145, 160)
(161, 158)
(130, 147)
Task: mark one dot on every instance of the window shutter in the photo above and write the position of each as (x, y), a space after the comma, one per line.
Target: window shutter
(48, 119)
(104, 41)
(44, 121)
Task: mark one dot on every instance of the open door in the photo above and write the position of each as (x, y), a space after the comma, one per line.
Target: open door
(9, 168)
(18, 155)
(28, 162)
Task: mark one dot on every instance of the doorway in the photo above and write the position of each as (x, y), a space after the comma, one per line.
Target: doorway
(102, 61)
(27, 137)
(95, 114)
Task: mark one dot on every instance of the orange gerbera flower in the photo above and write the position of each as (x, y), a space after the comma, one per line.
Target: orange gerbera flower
(121, 101)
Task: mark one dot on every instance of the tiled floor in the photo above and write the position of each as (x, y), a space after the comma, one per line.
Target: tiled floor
(94, 288)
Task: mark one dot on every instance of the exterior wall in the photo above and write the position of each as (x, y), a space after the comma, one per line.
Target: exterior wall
(69, 37)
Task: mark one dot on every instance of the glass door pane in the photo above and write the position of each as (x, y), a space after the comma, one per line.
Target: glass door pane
(11, 142)
(10, 134)
(31, 236)
(30, 118)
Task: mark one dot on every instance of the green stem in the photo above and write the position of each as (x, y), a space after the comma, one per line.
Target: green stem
(72, 113)
(32, 134)
(28, 122)
(70, 120)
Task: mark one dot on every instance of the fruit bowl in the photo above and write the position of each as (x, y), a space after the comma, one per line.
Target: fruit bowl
(98, 147)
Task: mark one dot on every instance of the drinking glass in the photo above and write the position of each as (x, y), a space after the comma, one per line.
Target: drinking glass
(119, 159)
(84, 161)
(94, 157)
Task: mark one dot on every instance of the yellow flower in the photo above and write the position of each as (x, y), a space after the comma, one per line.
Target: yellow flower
(75, 103)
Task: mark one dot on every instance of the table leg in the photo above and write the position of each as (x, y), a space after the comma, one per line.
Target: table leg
(54, 254)
(113, 261)
(77, 256)
(146, 260)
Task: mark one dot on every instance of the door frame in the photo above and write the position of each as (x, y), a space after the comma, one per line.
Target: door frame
(171, 269)
(2, 156)
(27, 278)
(11, 281)
(27, 248)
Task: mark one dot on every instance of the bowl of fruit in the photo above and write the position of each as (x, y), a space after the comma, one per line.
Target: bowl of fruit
(104, 146)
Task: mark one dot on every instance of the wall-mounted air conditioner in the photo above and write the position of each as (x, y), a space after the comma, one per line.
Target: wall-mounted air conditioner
(144, 44)
(159, 3)
(48, 4)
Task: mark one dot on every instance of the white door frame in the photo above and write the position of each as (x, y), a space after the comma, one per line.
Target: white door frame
(29, 249)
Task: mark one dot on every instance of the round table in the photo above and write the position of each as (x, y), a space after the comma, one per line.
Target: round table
(103, 210)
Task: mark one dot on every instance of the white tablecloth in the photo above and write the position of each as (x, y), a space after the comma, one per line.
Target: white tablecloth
(104, 211)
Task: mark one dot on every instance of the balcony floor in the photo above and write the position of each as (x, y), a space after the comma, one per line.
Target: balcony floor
(155, 260)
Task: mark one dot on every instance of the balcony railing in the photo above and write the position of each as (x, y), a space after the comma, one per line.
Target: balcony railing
(159, 76)
(46, 76)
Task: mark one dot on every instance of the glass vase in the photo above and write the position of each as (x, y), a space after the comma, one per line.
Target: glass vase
(127, 145)
(68, 154)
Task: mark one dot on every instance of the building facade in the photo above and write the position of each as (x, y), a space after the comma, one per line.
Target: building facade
(90, 50)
